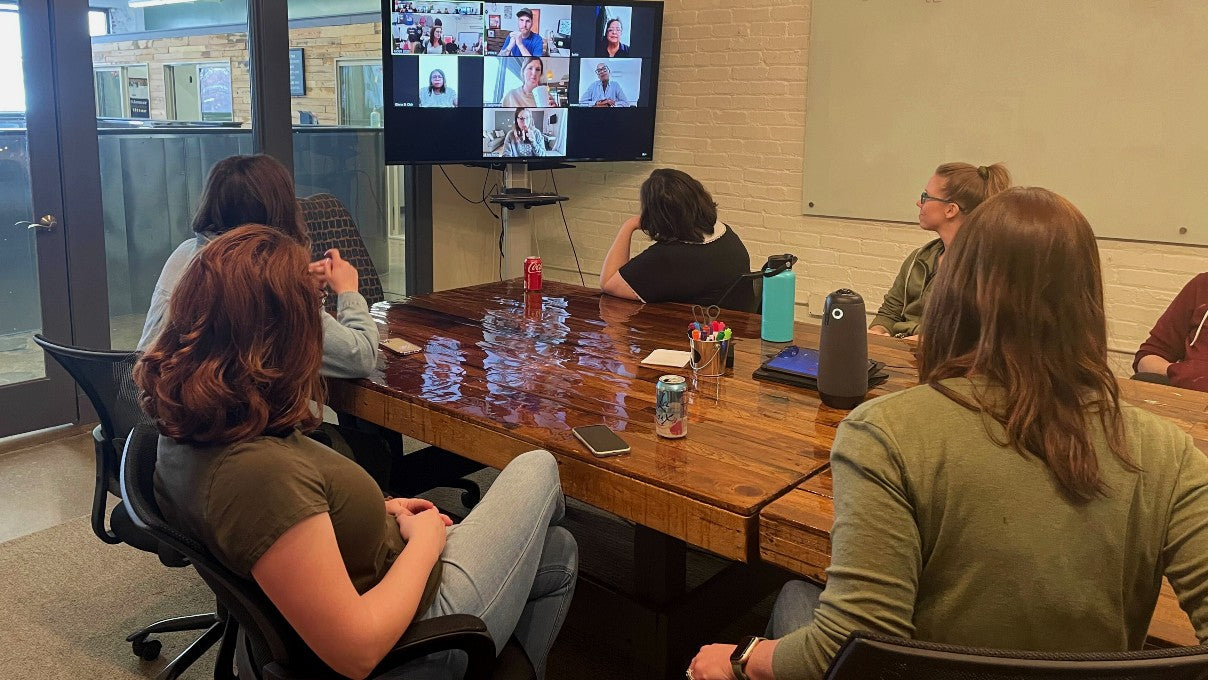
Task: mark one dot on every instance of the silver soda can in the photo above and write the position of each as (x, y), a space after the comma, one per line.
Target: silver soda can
(671, 407)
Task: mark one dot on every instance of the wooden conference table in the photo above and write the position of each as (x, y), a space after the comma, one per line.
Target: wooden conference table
(503, 372)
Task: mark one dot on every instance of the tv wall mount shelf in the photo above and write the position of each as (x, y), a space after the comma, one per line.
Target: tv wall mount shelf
(518, 193)
(525, 200)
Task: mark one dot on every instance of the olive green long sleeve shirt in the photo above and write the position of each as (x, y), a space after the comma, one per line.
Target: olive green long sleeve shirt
(943, 535)
(901, 312)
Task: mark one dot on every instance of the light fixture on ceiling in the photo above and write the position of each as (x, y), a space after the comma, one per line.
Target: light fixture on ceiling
(135, 4)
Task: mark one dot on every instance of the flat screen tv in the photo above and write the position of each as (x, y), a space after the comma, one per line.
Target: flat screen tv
(496, 82)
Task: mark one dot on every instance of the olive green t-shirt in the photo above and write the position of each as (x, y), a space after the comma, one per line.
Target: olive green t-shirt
(239, 499)
(944, 535)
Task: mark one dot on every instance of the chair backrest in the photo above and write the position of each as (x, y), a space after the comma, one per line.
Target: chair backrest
(105, 376)
(269, 635)
(330, 225)
(865, 656)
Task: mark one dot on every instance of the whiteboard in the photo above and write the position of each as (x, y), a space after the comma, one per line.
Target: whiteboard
(1102, 101)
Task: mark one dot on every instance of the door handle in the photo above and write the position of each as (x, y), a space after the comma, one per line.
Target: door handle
(46, 223)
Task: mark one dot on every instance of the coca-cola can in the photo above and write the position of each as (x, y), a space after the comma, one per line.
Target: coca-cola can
(532, 273)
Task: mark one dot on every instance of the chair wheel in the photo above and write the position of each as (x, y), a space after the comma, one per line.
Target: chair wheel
(146, 649)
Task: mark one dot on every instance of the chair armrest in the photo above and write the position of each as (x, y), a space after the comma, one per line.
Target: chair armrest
(442, 633)
(453, 631)
(100, 494)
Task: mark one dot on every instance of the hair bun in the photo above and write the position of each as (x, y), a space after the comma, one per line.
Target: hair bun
(983, 172)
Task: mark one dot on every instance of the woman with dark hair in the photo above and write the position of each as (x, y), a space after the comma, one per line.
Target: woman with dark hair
(258, 189)
(230, 383)
(1033, 510)
(695, 257)
(953, 192)
(610, 41)
(435, 44)
(437, 93)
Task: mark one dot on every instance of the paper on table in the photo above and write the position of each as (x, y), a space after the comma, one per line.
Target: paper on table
(668, 357)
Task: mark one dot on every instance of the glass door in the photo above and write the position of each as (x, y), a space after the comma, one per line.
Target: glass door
(34, 392)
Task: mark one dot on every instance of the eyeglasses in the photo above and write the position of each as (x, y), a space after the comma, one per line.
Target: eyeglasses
(924, 197)
(602, 69)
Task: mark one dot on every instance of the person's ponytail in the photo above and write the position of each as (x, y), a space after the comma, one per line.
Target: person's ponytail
(968, 185)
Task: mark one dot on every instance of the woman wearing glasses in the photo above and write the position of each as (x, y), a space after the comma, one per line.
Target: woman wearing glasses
(952, 193)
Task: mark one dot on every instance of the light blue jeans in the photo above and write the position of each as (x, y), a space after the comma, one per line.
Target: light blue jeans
(508, 565)
(794, 608)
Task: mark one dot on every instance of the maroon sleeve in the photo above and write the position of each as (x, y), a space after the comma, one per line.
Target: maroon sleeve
(1168, 338)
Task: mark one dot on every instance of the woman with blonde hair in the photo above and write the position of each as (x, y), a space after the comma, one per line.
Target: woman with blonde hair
(1011, 500)
(951, 194)
(230, 383)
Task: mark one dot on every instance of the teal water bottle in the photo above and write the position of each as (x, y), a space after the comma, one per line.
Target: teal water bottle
(779, 298)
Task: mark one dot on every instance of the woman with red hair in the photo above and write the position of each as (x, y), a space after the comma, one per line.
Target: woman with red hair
(230, 383)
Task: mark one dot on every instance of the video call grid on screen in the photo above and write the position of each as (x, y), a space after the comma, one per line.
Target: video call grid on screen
(584, 74)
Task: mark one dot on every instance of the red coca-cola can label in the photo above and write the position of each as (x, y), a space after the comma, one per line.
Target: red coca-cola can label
(532, 273)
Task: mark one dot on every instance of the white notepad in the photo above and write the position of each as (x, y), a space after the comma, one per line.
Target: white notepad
(668, 357)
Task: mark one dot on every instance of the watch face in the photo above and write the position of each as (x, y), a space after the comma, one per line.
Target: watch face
(743, 648)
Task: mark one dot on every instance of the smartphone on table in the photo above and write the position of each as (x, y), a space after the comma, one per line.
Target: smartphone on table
(400, 346)
(600, 440)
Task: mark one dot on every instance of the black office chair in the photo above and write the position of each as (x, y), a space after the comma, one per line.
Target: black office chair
(105, 376)
(1157, 378)
(267, 647)
(865, 656)
(330, 225)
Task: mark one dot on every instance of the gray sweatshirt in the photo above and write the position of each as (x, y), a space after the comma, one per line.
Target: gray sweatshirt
(349, 339)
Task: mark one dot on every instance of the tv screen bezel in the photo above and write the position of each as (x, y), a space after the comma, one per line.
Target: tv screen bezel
(494, 161)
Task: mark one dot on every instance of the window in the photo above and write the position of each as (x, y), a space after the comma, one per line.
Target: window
(360, 85)
(199, 91)
(98, 22)
(110, 95)
(12, 84)
(121, 90)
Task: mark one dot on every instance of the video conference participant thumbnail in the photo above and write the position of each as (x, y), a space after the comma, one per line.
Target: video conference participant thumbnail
(523, 133)
(514, 30)
(535, 82)
(610, 82)
(442, 28)
(612, 27)
(438, 81)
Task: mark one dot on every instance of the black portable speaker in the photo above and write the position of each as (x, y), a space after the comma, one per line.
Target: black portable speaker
(843, 351)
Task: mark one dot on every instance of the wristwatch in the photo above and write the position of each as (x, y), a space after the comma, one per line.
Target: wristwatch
(742, 654)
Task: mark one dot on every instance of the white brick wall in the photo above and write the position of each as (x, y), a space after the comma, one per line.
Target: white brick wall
(751, 161)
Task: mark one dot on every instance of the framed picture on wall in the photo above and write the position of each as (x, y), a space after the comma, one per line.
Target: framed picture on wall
(297, 72)
(494, 21)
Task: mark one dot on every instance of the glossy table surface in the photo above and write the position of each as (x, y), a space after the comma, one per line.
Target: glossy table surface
(502, 372)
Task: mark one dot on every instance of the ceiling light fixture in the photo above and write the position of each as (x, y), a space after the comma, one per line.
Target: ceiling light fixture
(135, 4)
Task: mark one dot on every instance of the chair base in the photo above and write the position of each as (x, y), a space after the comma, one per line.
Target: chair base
(147, 648)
